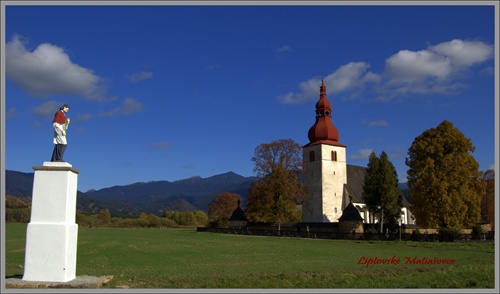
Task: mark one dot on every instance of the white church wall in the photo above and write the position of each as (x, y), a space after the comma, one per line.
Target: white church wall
(324, 178)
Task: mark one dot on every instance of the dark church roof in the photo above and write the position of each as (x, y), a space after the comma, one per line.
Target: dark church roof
(350, 213)
(355, 180)
(238, 214)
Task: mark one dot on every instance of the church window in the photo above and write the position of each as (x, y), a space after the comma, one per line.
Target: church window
(311, 156)
(335, 209)
(334, 155)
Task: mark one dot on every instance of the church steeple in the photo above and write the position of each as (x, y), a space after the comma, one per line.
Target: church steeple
(323, 131)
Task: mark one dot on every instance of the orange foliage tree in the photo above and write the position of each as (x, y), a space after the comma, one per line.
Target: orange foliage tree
(275, 197)
(488, 202)
(220, 209)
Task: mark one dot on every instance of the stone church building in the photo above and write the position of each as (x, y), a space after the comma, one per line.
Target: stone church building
(334, 206)
(332, 183)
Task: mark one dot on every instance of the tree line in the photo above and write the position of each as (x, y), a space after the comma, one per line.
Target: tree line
(19, 211)
(447, 189)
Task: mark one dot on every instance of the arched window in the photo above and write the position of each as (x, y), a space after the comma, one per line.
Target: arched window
(334, 155)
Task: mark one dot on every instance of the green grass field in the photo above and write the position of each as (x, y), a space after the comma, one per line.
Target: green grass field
(184, 258)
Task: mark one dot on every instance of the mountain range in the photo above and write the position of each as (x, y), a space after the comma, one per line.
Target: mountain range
(155, 197)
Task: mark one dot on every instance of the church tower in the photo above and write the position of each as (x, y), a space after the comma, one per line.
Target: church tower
(325, 172)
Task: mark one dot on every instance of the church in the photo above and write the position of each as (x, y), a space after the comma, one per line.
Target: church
(331, 183)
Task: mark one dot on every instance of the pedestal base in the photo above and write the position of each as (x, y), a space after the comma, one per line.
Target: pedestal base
(51, 236)
(50, 252)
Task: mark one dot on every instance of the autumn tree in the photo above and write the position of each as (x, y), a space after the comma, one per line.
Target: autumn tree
(275, 197)
(220, 209)
(488, 201)
(16, 210)
(104, 217)
(444, 179)
(380, 190)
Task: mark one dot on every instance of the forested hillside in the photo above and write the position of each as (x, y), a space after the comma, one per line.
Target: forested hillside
(155, 197)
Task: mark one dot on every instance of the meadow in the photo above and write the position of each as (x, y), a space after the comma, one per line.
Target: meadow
(187, 259)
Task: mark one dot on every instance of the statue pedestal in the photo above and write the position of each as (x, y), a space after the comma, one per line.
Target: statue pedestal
(51, 236)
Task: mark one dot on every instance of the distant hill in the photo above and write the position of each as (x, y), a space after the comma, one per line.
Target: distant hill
(405, 190)
(155, 197)
(18, 184)
(152, 197)
(403, 186)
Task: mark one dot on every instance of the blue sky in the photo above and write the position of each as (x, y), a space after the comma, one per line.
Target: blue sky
(168, 92)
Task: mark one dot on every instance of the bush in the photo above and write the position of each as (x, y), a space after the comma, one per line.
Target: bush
(448, 235)
(371, 234)
(172, 219)
(478, 232)
(17, 215)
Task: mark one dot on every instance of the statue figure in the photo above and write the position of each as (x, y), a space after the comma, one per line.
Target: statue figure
(60, 124)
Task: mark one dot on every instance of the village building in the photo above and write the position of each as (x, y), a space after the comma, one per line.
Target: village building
(238, 217)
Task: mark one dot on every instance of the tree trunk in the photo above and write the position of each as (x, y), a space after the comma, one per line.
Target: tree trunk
(382, 221)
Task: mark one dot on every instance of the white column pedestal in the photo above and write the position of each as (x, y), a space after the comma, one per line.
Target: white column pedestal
(52, 233)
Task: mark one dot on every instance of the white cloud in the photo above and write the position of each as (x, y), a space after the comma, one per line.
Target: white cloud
(12, 112)
(188, 166)
(436, 69)
(140, 76)
(362, 154)
(285, 48)
(487, 71)
(396, 155)
(129, 106)
(160, 145)
(352, 76)
(375, 123)
(408, 66)
(48, 70)
(47, 109)
(463, 53)
(213, 66)
(83, 117)
(433, 70)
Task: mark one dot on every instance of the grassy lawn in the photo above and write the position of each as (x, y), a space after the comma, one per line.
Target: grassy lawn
(184, 258)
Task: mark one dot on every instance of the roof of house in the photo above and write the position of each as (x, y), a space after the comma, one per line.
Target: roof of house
(350, 213)
(238, 214)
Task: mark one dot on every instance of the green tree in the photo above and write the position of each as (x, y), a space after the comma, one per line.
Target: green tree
(392, 199)
(187, 218)
(220, 209)
(275, 197)
(201, 218)
(371, 194)
(380, 190)
(444, 179)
